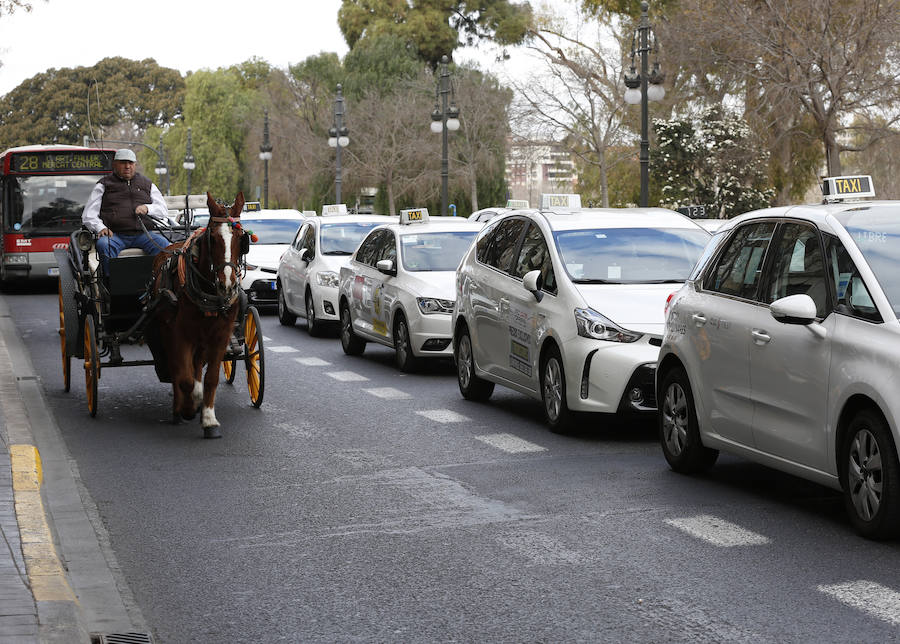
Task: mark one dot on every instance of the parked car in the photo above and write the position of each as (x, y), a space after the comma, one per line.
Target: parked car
(783, 347)
(566, 306)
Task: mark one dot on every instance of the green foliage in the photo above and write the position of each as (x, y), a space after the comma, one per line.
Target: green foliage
(714, 162)
(67, 104)
(379, 64)
(630, 8)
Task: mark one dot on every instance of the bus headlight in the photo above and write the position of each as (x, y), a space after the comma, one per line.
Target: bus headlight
(15, 258)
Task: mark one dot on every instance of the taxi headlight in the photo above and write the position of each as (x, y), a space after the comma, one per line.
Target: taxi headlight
(327, 278)
(591, 324)
(250, 267)
(429, 305)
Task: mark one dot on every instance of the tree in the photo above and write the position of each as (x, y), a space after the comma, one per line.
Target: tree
(433, 28)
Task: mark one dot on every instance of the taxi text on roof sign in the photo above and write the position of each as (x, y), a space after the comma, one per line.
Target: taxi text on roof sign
(334, 209)
(560, 201)
(838, 188)
(414, 216)
(517, 203)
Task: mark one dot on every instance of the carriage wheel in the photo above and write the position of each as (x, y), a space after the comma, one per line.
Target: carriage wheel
(229, 368)
(66, 358)
(254, 357)
(91, 363)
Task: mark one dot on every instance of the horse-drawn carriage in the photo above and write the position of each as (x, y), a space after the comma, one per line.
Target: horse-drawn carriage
(183, 304)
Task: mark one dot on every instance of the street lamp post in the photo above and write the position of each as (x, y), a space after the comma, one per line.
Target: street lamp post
(644, 86)
(442, 120)
(338, 138)
(161, 169)
(189, 166)
(265, 153)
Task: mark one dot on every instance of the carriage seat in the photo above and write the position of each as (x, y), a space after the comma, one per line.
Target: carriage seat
(132, 252)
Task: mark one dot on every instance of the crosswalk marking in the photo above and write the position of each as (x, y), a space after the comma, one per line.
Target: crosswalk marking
(346, 376)
(312, 362)
(282, 349)
(443, 416)
(388, 393)
(718, 532)
(873, 598)
(510, 443)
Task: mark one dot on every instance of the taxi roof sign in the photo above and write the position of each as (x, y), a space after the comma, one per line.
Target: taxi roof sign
(334, 209)
(252, 206)
(414, 216)
(517, 203)
(560, 201)
(840, 188)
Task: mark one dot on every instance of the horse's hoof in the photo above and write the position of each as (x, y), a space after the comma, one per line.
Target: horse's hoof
(188, 415)
(211, 432)
(176, 419)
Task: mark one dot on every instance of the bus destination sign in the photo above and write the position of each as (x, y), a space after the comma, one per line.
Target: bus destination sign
(86, 161)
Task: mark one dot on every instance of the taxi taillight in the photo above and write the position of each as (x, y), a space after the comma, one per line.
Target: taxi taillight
(668, 301)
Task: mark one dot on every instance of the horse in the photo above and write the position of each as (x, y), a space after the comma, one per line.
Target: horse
(197, 288)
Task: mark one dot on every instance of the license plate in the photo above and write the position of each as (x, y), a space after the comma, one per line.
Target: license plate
(53, 272)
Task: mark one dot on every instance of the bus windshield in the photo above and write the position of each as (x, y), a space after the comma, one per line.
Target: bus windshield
(46, 205)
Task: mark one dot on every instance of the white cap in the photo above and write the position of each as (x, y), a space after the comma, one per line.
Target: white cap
(125, 154)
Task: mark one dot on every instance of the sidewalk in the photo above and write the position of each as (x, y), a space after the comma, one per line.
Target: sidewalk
(56, 575)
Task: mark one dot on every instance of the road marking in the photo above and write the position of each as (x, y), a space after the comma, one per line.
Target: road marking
(718, 532)
(345, 376)
(510, 443)
(443, 416)
(876, 600)
(266, 338)
(388, 393)
(282, 349)
(312, 362)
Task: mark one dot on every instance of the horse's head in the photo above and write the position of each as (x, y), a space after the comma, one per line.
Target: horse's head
(222, 247)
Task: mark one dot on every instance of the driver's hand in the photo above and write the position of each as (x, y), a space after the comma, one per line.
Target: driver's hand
(141, 210)
(106, 232)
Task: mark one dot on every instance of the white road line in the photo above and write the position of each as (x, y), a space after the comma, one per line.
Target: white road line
(877, 600)
(718, 532)
(443, 416)
(312, 362)
(282, 349)
(345, 376)
(510, 443)
(388, 393)
(266, 338)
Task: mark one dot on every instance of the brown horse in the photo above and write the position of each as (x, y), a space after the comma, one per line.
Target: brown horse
(198, 283)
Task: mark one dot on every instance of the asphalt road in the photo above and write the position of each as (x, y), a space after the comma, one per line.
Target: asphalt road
(359, 504)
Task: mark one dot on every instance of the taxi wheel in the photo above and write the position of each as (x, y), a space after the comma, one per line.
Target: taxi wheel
(553, 392)
(313, 326)
(872, 480)
(285, 317)
(91, 363)
(403, 351)
(352, 344)
(679, 432)
(470, 386)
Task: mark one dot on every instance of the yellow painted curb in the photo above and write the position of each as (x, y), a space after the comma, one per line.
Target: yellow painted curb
(45, 572)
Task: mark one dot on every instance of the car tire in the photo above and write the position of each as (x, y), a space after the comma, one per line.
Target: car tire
(871, 476)
(679, 430)
(285, 317)
(352, 344)
(403, 351)
(313, 326)
(553, 391)
(470, 386)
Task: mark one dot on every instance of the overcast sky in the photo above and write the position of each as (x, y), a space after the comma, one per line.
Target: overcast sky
(186, 35)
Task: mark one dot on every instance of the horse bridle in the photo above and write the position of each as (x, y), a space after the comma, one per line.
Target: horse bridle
(204, 292)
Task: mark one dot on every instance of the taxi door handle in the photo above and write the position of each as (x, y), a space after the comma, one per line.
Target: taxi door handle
(698, 319)
(760, 336)
(504, 304)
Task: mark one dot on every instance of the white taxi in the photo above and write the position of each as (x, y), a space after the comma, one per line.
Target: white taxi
(307, 279)
(398, 288)
(566, 306)
(784, 347)
(274, 230)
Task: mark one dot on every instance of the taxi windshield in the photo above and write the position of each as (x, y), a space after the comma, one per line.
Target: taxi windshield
(876, 232)
(434, 251)
(342, 239)
(47, 205)
(272, 231)
(630, 255)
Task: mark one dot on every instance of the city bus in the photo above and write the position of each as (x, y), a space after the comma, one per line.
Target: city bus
(43, 189)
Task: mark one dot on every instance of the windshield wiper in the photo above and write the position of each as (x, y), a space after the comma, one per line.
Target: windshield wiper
(585, 280)
(664, 282)
(338, 252)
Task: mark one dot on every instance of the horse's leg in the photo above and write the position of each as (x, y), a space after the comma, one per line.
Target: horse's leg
(183, 380)
(215, 351)
(197, 371)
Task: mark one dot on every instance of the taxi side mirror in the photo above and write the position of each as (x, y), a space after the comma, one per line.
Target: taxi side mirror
(532, 281)
(794, 309)
(386, 266)
(305, 255)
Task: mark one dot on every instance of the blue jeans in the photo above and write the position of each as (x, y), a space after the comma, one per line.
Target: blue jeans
(109, 246)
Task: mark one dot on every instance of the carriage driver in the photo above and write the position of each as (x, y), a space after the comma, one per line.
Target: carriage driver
(115, 206)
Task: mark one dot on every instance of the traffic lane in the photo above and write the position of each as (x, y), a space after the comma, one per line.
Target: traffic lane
(464, 500)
